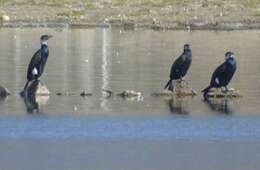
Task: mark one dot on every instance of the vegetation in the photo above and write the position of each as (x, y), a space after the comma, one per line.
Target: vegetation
(156, 12)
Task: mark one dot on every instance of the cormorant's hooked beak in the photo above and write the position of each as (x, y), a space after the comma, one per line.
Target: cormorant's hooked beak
(229, 55)
(49, 37)
(232, 56)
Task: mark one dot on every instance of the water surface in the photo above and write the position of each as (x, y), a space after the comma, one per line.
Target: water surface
(72, 132)
(114, 59)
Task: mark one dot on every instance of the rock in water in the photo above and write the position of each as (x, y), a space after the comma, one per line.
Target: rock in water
(42, 90)
(182, 89)
(219, 93)
(3, 92)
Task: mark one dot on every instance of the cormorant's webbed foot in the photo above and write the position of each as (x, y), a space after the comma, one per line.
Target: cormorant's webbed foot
(226, 89)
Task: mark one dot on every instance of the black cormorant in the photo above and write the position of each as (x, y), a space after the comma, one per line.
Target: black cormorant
(180, 67)
(38, 61)
(223, 74)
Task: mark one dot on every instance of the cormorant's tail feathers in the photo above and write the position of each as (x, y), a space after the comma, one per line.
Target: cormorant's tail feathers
(25, 86)
(168, 84)
(206, 89)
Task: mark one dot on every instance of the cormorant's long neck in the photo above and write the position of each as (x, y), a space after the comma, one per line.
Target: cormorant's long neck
(187, 53)
(44, 50)
(43, 46)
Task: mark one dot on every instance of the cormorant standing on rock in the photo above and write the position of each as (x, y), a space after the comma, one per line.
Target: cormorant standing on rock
(38, 61)
(180, 67)
(223, 74)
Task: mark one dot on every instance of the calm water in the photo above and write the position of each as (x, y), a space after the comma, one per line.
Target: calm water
(95, 59)
(142, 133)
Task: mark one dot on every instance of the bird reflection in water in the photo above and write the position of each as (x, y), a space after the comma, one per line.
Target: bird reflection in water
(34, 102)
(220, 105)
(178, 105)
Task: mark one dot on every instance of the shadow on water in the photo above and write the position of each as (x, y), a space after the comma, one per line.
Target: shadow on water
(220, 105)
(34, 102)
(179, 105)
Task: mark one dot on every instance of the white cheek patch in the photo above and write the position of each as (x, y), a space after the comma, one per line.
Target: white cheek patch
(216, 80)
(34, 71)
(43, 42)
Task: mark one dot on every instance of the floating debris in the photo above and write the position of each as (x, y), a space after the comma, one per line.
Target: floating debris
(59, 94)
(82, 94)
(182, 89)
(109, 93)
(126, 94)
(3, 92)
(75, 108)
(129, 93)
(64, 94)
(220, 93)
(85, 94)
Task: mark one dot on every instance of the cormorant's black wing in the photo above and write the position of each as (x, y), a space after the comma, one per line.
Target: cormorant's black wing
(36, 59)
(218, 73)
(186, 66)
(177, 67)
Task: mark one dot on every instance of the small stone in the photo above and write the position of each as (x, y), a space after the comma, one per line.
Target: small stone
(220, 93)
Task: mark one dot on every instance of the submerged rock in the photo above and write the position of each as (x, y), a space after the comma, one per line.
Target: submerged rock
(3, 92)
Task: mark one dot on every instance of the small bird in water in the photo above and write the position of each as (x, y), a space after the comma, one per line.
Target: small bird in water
(223, 74)
(38, 61)
(180, 67)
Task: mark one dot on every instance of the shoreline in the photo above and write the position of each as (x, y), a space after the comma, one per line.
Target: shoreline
(134, 14)
(225, 26)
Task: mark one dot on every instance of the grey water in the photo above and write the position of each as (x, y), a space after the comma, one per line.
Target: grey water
(96, 132)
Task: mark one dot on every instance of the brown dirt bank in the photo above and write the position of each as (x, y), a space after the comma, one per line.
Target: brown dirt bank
(155, 14)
